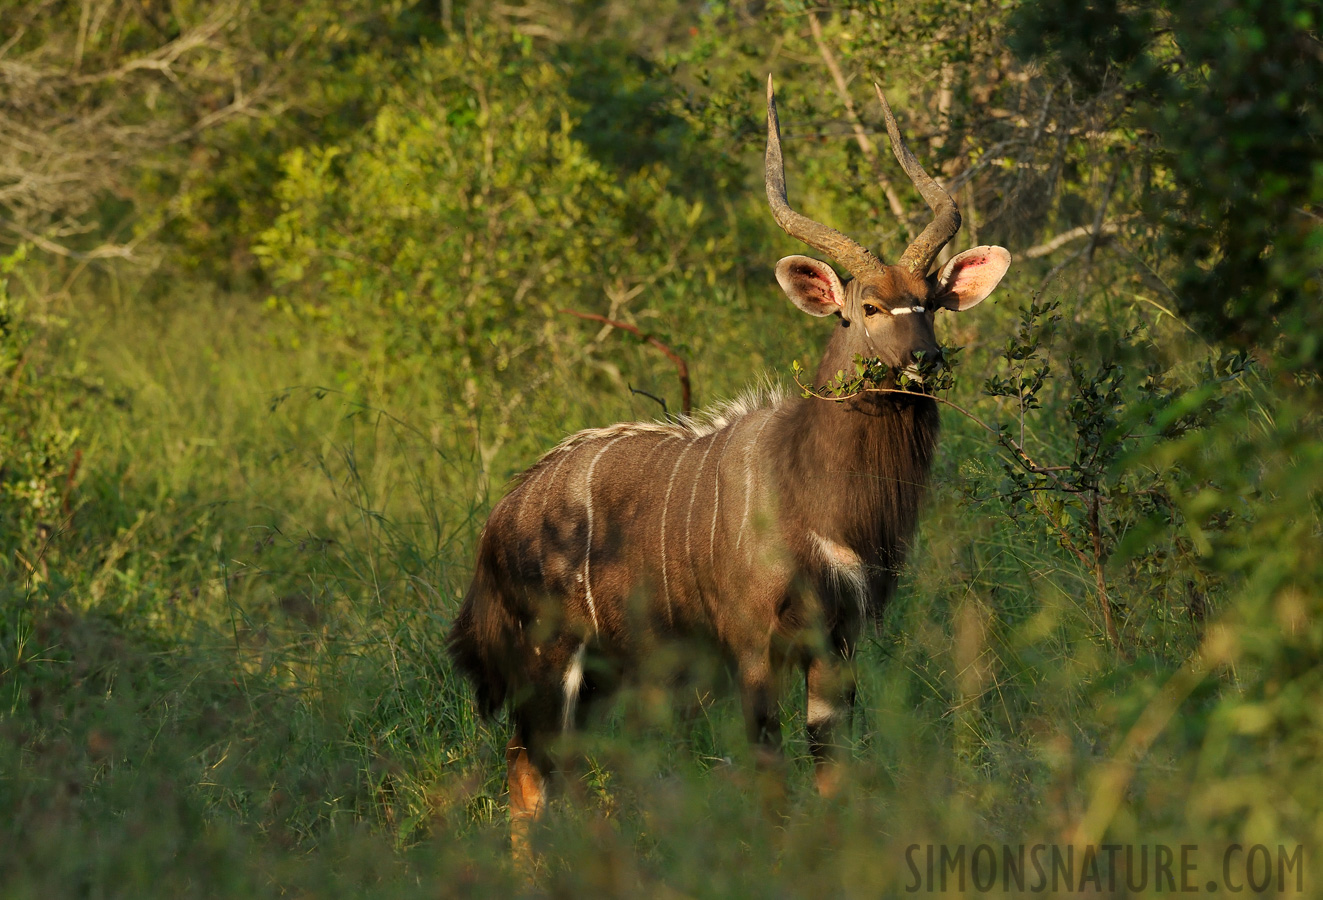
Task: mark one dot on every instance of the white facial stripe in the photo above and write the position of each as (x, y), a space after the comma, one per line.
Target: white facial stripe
(906, 310)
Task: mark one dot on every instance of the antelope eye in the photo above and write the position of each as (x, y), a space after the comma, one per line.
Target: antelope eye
(870, 309)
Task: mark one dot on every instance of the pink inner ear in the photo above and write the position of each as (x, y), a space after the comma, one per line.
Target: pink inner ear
(813, 283)
(973, 275)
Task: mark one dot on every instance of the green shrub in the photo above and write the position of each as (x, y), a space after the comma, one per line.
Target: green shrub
(448, 235)
(38, 455)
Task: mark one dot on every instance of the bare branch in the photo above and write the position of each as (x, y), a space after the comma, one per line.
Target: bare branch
(681, 367)
(72, 124)
(106, 251)
(1097, 230)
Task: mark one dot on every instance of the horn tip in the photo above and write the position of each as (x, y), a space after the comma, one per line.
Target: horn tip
(769, 88)
(882, 98)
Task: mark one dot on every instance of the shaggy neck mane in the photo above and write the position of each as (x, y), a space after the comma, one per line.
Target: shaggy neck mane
(854, 472)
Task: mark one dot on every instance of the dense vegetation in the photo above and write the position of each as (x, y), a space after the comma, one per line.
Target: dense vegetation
(285, 300)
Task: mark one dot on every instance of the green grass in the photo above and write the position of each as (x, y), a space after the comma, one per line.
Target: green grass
(223, 675)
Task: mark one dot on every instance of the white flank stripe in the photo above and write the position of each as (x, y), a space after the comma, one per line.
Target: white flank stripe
(573, 682)
(716, 502)
(689, 516)
(643, 466)
(524, 490)
(588, 551)
(666, 505)
(748, 479)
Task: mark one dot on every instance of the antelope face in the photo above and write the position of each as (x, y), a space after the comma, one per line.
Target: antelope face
(888, 313)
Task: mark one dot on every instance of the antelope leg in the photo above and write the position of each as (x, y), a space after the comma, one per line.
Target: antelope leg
(831, 690)
(529, 766)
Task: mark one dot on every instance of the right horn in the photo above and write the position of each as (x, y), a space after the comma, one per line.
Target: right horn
(855, 257)
(918, 258)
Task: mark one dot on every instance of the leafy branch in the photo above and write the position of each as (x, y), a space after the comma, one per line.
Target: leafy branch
(931, 375)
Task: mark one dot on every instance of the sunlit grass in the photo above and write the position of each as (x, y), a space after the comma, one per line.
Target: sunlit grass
(229, 680)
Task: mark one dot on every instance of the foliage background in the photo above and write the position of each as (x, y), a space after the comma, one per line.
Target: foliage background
(282, 297)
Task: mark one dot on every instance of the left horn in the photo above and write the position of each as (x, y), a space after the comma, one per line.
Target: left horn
(918, 258)
(854, 256)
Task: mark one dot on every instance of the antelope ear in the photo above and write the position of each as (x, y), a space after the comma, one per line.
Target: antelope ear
(812, 285)
(969, 277)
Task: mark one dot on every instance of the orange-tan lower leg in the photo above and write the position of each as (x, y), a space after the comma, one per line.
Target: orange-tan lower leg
(830, 709)
(528, 798)
(758, 695)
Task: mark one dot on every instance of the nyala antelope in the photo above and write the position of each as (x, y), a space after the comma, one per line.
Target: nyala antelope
(772, 528)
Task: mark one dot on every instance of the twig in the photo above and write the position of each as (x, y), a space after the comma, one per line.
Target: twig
(1042, 116)
(1055, 270)
(681, 367)
(661, 401)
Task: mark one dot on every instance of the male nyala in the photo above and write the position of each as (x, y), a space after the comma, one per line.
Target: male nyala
(772, 528)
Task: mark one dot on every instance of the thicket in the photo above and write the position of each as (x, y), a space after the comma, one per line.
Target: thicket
(286, 296)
